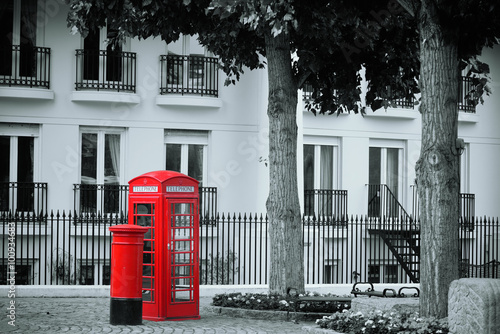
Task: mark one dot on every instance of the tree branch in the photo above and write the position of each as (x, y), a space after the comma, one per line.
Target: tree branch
(409, 5)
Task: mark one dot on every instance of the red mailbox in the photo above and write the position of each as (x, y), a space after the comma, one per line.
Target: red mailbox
(166, 202)
(126, 268)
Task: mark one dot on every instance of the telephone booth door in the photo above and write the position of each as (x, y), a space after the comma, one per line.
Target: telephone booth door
(182, 253)
(144, 213)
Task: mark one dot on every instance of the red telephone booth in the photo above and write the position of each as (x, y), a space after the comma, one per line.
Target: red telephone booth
(167, 203)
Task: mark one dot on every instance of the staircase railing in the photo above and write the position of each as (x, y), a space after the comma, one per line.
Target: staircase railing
(383, 204)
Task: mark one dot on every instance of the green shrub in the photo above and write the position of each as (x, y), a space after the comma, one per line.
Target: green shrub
(263, 301)
(379, 322)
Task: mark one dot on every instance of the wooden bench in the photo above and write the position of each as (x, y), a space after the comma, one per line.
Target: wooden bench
(370, 292)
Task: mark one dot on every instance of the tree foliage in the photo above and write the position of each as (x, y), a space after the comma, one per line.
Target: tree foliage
(333, 44)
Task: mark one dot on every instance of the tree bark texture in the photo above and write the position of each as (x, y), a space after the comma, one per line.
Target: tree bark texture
(437, 169)
(283, 208)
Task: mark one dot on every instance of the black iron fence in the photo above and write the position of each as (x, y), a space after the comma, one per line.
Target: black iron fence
(24, 65)
(67, 249)
(111, 70)
(23, 196)
(194, 75)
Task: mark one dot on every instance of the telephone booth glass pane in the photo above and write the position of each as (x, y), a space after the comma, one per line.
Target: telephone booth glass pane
(144, 215)
(182, 259)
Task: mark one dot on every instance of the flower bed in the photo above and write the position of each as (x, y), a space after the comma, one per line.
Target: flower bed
(263, 301)
(379, 322)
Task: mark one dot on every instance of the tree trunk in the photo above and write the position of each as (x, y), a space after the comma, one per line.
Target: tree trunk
(285, 226)
(437, 169)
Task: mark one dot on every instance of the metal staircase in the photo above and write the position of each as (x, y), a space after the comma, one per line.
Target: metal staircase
(399, 231)
(405, 246)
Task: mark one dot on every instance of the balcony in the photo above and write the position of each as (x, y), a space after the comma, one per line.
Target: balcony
(113, 199)
(466, 100)
(105, 70)
(23, 197)
(102, 198)
(25, 72)
(196, 77)
(25, 66)
(325, 204)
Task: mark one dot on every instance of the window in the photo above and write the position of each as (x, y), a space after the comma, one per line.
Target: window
(188, 69)
(112, 60)
(331, 272)
(17, 172)
(22, 62)
(101, 171)
(373, 273)
(389, 272)
(186, 152)
(94, 274)
(24, 274)
(103, 66)
(321, 196)
(385, 178)
(18, 24)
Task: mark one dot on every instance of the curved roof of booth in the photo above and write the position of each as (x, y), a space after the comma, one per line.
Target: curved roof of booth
(162, 176)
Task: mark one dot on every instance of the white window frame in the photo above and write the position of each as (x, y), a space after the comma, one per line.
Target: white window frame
(189, 46)
(103, 37)
(14, 132)
(401, 146)
(317, 142)
(186, 138)
(16, 29)
(98, 279)
(465, 169)
(101, 132)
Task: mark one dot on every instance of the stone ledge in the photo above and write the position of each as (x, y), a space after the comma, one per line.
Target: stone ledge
(367, 304)
(474, 306)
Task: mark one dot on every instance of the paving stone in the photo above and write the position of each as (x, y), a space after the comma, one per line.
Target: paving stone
(91, 315)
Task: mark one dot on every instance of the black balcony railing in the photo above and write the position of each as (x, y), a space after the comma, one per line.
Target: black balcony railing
(467, 208)
(106, 198)
(208, 205)
(113, 198)
(193, 75)
(322, 203)
(105, 70)
(23, 197)
(466, 101)
(25, 66)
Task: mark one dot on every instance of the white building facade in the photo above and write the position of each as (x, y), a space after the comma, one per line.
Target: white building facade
(79, 119)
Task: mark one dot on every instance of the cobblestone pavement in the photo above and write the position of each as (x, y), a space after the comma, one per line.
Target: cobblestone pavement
(91, 315)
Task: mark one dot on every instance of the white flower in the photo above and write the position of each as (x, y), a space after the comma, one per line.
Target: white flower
(258, 300)
(368, 322)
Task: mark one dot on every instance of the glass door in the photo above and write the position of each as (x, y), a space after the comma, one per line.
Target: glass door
(182, 255)
(144, 214)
